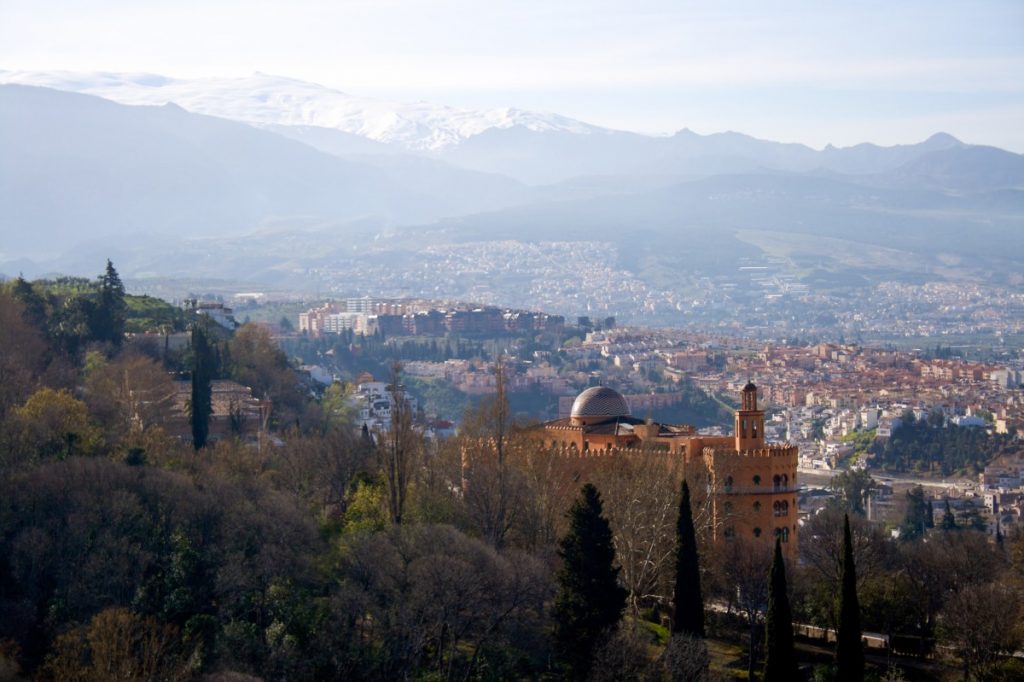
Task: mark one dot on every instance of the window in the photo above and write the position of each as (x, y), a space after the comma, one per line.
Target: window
(757, 480)
(757, 505)
(729, 532)
(777, 483)
(781, 508)
(782, 534)
(757, 532)
(727, 507)
(728, 484)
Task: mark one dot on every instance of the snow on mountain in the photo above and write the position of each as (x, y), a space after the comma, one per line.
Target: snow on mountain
(263, 99)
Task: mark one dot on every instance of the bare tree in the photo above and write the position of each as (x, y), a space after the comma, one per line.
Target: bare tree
(493, 488)
(686, 658)
(742, 578)
(983, 624)
(821, 549)
(945, 565)
(641, 499)
(319, 468)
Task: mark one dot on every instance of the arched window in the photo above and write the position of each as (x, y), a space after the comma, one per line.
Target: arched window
(785, 480)
(757, 480)
(782, 534)
(728, 484)
(727, 507)
(777, 482)
(729, 532)
(757, 532)
(775, 508)
(757, 505)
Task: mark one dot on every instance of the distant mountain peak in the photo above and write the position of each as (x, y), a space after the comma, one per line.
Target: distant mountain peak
(942, 140)
(267, 99)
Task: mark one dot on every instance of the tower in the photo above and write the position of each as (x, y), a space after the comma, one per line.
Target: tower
(749, 421)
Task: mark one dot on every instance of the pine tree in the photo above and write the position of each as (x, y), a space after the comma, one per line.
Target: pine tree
(689, 602)
(201, 403)
(849, 652)
(111, 309)
(590, 600)
(780, 654)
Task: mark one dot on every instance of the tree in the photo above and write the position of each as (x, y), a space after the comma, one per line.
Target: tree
(948, 520)
(740, 569)
(779, 653)
(849, 652)
(399, 448)
(21, 352)
(982, 623)
(915, 519)
(128, 394)
(201, 402)
(590, 600)
(686, 659)
(853, 487)
(689, 602)
(52, 425)
(119, 645)
(640, 495)
(111, 310)
(494, 490)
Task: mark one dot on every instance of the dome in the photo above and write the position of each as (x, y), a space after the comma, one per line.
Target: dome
(599, 402)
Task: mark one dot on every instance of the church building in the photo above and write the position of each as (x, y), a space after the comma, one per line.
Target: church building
(752, 484)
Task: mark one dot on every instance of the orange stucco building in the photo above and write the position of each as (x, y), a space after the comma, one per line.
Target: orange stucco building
(752, 484)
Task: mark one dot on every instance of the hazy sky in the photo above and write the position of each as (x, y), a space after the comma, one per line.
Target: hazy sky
(812, 72)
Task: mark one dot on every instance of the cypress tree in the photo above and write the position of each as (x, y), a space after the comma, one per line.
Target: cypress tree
(948, 520)
(849, 652)
(201, 403)
(590, 600)
(780, 654)
(689, 602)
(929, 521)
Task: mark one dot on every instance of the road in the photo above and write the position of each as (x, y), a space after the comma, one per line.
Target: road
(823, 477)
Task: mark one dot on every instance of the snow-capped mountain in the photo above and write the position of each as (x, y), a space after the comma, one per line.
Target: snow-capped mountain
(263, 99)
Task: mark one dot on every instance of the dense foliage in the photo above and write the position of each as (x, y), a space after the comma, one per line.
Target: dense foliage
(928, 445)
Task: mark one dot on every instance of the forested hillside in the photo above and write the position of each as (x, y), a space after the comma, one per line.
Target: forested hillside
(305, 550)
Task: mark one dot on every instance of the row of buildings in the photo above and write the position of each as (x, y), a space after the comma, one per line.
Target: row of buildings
(398, 318)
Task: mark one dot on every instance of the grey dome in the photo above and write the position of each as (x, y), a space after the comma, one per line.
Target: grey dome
(600, 402)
